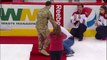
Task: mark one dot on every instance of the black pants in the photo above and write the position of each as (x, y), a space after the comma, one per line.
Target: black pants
(56, 55)
(101, 32)
(78, 32)
(105, 1)
(106, 29)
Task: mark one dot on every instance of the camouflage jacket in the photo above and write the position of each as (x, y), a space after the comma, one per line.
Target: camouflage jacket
(43, 16)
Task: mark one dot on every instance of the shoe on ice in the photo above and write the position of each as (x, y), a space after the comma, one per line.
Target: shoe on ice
(69, 55)
(44, 52)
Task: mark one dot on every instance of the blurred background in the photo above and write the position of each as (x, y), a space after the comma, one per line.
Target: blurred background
(54, 0)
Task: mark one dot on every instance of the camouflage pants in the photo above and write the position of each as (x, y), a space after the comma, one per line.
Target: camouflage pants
(43, 40)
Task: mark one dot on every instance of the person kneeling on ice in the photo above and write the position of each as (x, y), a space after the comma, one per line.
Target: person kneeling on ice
(68, 42)
(56, 43)
(101, 24)
(79, 22)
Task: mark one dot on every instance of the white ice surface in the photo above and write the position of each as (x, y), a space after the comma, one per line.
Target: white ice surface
(89, 49)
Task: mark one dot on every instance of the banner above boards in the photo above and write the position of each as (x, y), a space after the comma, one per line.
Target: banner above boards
(25, 16)
(20, 16)
(58, 14)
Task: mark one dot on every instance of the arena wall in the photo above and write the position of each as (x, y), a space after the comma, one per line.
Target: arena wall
(19, 19)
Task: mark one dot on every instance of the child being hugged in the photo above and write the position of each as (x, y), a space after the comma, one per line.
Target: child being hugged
(56, 43)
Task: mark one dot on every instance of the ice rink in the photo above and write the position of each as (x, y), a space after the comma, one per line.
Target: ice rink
(89, 49)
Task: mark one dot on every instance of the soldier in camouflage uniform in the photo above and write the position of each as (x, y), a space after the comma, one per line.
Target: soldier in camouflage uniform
(44, 15)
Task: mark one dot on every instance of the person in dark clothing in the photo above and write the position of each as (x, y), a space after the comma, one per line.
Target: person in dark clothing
(105, 1)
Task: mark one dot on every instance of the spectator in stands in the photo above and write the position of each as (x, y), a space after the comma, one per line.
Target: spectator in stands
(78, 19)
(101, 24)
